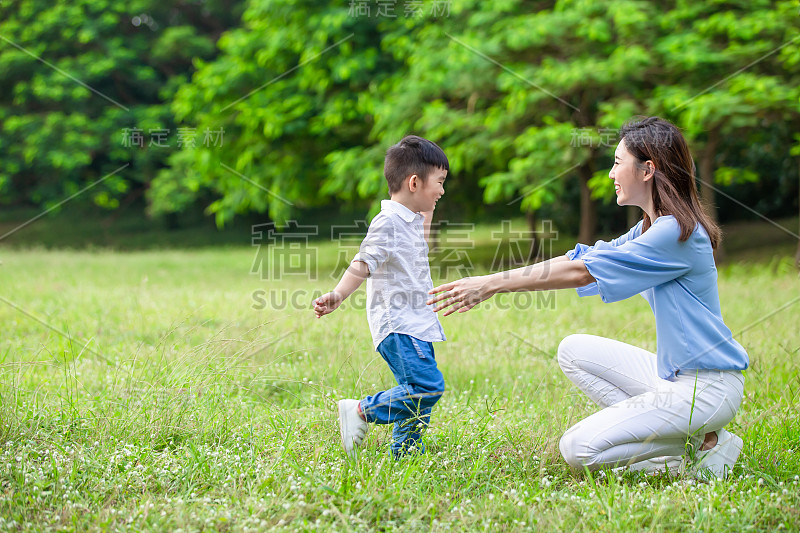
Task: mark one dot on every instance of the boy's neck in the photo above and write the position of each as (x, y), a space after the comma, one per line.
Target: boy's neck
(405, 200)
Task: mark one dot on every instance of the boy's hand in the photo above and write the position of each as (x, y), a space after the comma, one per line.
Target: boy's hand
(327, 303)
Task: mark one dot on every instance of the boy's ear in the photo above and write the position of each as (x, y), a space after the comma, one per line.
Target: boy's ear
(413, 183)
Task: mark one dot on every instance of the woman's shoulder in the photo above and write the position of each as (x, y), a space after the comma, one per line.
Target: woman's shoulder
(664, 226)
(668, 227)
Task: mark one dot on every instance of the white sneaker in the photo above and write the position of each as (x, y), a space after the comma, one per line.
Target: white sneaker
(719, 460)
(352, 427)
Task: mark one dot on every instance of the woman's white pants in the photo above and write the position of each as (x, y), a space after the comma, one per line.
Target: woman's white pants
(643, 415)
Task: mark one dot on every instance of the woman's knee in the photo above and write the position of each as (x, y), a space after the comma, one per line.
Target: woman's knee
(567, 448)
(570, 347)
(575, 450)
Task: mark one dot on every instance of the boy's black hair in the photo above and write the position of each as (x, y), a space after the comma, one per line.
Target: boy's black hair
(412, 155)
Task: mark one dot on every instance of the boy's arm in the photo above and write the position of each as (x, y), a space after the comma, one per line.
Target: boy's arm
(352, 279)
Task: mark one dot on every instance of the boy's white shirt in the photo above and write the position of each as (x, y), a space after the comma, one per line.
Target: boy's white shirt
(399, 279)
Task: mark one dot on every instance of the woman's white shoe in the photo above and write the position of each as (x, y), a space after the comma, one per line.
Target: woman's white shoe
(718, 462)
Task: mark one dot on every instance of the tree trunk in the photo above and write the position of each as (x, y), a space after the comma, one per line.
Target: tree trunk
(172, 221)
(588, 224)
(533, 252)
(707, 193)
(124, 204)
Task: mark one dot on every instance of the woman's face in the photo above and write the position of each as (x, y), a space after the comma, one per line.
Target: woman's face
(631, 183)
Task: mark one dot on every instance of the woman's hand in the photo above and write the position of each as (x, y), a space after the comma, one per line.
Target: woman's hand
(461, 295)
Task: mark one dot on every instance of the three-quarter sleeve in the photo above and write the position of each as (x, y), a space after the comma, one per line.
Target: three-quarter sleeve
(578, 251)
(375, 249)
(653, 258)
(581, 249)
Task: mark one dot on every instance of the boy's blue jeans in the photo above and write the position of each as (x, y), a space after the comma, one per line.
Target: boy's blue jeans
(420, 384)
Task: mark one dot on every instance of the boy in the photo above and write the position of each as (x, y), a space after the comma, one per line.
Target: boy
(394, 259)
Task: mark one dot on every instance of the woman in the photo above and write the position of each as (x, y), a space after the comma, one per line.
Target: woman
(655, 407)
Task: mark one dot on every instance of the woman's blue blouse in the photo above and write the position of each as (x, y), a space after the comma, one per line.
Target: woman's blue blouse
(679, 281)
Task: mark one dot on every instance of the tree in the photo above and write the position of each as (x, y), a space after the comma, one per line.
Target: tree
(288, 89)
(796, 152)
(730, 72)
(525, 103)
(506, 92)
(79, 79)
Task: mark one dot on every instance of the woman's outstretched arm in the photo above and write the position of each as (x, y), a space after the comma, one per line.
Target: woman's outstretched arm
(464, 294)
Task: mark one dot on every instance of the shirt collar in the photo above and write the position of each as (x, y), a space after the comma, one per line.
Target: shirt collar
(396, 207)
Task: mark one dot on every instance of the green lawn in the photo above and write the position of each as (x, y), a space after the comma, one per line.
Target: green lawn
(160, 390)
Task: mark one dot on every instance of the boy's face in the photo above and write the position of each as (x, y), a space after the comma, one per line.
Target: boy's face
(429, 191)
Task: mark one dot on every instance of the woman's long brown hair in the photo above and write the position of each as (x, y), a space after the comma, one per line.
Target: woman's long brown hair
(674, 187)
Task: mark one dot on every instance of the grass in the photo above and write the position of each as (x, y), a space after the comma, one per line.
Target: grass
(160, 390)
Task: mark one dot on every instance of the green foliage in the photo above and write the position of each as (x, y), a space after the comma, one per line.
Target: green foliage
(569, 73)
(305, 97)
(729, 175)
(74, 77)
(731, 70)
(289, 88)
(468, 83)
